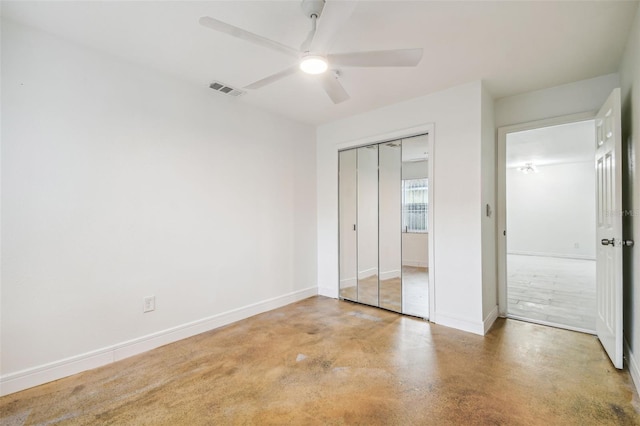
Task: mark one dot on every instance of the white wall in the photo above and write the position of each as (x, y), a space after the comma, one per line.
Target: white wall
(119, 183)
(457, 272)
(552, 211)
(415, 249)
(572, 98)
(630, 78)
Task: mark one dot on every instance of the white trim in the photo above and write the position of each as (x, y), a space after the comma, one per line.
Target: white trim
(552, 324)
(490, 319)
(559, 255)
(367, 273)
(433, 185)
(390, 274)
(502, 190)
(463, 324)
(14, 382)
(633, 365)
(331, 292)
(428, 128)
(415, 263)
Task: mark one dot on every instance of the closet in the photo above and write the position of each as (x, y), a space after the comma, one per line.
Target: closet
(383, 225)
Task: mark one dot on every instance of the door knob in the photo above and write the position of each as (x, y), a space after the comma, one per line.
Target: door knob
(606, 242)
(627, 243)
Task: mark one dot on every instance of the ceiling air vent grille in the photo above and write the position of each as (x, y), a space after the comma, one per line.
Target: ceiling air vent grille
(225, 89)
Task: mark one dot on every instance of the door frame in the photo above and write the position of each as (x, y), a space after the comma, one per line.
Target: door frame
(428, 128)
(502, 191)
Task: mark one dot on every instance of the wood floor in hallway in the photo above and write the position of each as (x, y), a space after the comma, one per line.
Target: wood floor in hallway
(324, 361)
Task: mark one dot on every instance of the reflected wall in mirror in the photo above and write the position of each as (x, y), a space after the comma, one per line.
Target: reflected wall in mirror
(347, 200)
(367, 224)
(390, 226)
(415, 226)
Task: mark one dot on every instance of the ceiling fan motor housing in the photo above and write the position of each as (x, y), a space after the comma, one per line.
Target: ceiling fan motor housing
(312, 7)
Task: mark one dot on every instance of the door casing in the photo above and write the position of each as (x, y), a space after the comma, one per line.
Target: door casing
(433, 185)
(502, 191)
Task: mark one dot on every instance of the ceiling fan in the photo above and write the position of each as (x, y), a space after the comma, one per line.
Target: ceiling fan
(312, 57)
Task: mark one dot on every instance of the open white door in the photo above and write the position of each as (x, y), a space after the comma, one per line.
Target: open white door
(609, 228)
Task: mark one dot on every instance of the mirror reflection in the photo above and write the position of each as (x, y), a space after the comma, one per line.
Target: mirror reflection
(390, 217)
(383, 195)
(367, 224)
(415, 226)
(347, 188)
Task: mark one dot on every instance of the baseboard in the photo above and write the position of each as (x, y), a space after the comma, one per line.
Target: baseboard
(632, 365)
(490, 319)
(460, 324)
(348, 282)
(560, 255)
(415, 263)
(331, 292)
(31, 377)
(551, 324)
(366, 273)
(390, 274)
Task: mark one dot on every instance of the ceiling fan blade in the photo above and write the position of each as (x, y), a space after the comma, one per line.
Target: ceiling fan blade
(245, 35)
(378, 58)
(334, 89)
(273, 78)
(334, 17)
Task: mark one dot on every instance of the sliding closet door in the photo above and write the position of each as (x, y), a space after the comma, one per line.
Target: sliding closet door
(347, 197)
(367, 224)
(415, 226)
(390, 218)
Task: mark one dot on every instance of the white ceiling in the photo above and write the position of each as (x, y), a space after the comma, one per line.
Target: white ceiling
(566, 143)
(514, 46)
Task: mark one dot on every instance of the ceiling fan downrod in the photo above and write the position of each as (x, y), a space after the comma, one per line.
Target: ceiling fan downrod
(312, 7)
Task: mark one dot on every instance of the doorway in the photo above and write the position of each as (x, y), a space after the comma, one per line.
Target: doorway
(550, 225)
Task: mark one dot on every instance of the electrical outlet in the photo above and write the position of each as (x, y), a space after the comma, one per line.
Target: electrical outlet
(149, 304)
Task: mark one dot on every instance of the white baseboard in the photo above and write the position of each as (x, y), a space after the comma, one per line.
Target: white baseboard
(14, 382)
(331, 292)
(387, 275)
(348, 282)
(415, 263)
(634, 370)
(475, 327)
(551, 324)
(366, 273)
(490, 319)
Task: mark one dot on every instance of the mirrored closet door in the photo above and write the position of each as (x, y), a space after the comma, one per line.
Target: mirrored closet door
(415, 226)
(383, 207)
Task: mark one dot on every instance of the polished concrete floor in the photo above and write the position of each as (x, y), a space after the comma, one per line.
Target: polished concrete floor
(552, 290)
(323, 361)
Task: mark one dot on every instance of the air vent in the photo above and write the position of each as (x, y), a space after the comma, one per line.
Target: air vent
(225, 89)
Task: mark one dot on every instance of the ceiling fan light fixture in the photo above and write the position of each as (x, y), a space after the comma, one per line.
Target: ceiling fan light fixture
(313, 64)
(528, 168)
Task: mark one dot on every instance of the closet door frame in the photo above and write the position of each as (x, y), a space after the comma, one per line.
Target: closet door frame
(428, 128)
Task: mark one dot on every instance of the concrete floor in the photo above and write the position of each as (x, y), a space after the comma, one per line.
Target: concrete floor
(324, 361)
